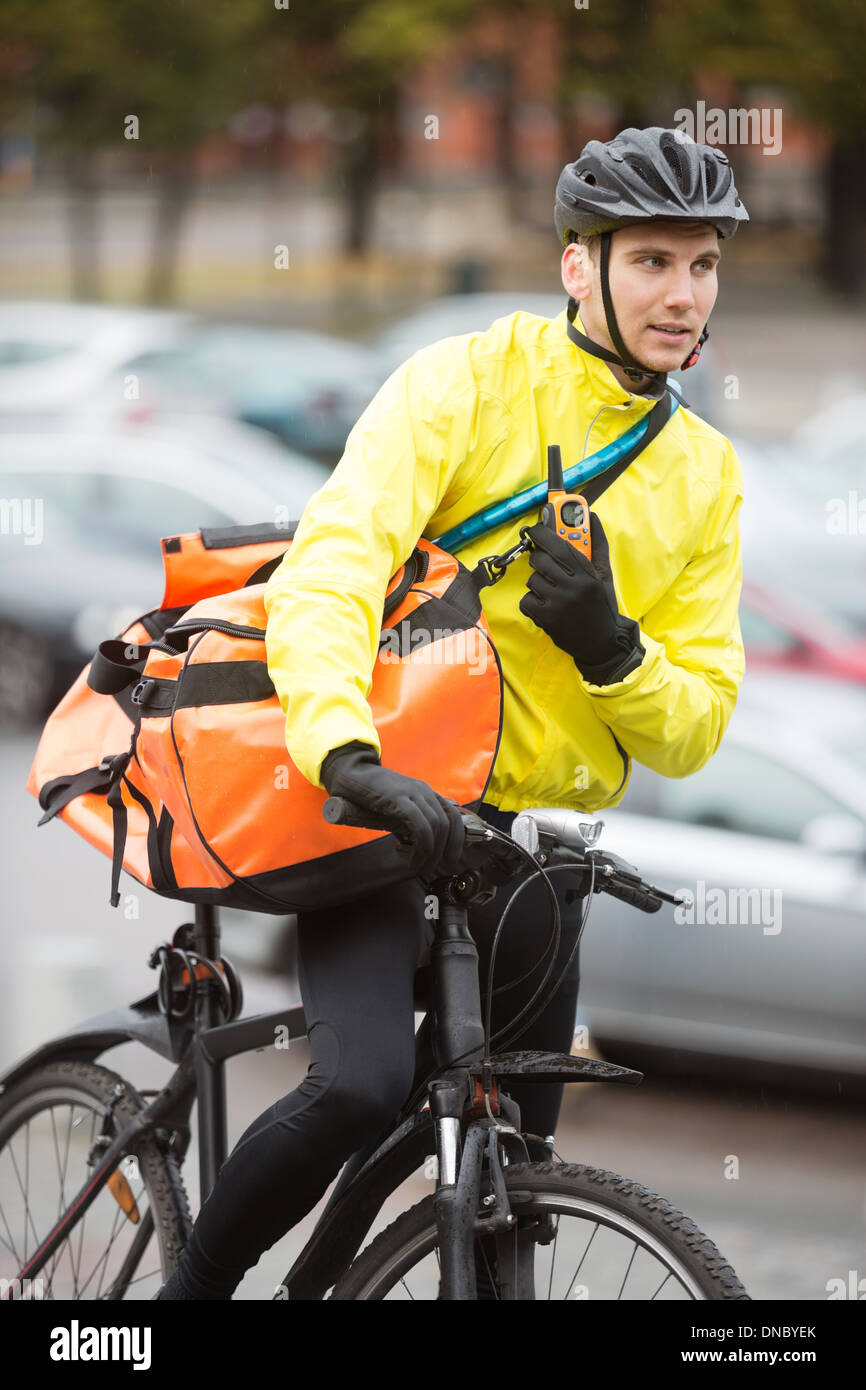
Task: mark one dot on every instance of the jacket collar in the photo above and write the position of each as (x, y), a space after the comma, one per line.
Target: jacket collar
(598, 379)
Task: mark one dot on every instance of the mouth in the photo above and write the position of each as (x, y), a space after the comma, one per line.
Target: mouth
(670, 333)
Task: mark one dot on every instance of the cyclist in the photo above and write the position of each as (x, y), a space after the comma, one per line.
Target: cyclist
(634, 654)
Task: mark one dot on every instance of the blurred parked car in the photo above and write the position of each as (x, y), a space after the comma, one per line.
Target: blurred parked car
(100, 360)
(790, 540)
(770, 836)
(831, 449)
(83, 514)
(54, 355)
(781, 630)
(451, 315)
(307, 388)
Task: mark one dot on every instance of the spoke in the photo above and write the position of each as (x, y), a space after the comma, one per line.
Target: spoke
(61, 1173)
(627, 1272)
(26, 1173)
(10, 1244)
(116, 1232)
(83, 1222)
(139, 1278)
(62, 1250)
(582, 1258)
(118, 1214)
(408, 1290)
(668, 1276)
(133, 1257)
(553, 1260)
(12, 1251)
(28, 1215)
(493, 1280)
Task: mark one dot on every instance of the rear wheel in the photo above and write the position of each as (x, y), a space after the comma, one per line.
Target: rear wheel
(580, 1233)
(54, 1124)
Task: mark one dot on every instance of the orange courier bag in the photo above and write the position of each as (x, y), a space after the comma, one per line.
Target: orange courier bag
(168, 753)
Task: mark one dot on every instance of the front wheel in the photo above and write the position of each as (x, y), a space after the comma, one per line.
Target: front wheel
(54, 1123)
(580, 1233)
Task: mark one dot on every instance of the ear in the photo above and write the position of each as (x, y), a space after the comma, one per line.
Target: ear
(577, 271)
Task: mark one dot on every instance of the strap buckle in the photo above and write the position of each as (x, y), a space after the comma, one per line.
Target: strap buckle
(142, 692)
(494, 566)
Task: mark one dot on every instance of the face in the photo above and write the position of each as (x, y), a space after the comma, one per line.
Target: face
(663, 283)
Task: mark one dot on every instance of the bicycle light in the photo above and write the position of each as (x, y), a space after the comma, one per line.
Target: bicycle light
(524, 832)
(577, 829)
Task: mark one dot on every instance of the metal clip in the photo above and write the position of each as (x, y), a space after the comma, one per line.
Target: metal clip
(496, 565)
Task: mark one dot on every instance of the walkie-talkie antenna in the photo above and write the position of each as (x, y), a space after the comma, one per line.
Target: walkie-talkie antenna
(554, 469)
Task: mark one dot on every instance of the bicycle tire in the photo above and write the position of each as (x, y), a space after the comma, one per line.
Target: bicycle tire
(628, 1206)
(89, 1088)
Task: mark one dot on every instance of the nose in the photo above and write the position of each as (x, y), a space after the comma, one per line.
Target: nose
(679, 291)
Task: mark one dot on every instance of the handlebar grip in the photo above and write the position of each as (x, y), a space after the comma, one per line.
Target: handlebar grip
(339, 810)
(635, 894)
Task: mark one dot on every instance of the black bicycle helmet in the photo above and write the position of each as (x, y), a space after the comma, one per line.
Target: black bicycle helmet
(638, 176)
(641, 174)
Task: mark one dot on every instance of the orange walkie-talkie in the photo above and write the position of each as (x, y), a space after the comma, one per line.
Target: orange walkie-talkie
(566, 513)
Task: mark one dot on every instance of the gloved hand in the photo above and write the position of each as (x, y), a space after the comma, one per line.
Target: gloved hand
(414, 810)
(573, 600)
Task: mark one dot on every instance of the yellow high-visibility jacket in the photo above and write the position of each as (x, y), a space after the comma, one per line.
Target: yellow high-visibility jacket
(464, 423)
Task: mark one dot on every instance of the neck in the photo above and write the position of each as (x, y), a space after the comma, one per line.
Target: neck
(646, 385)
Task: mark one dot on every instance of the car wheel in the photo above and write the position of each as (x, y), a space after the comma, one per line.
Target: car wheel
(26, 675)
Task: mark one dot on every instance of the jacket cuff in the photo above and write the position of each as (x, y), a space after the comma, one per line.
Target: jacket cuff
(356, 746)
(625, 658)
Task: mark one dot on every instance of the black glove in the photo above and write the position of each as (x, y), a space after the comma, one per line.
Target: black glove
(573, 600)
(415, 811)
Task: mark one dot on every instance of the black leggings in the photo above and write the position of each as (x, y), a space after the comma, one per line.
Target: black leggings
(357, 969)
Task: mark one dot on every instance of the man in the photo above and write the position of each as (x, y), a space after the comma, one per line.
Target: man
(636, 654)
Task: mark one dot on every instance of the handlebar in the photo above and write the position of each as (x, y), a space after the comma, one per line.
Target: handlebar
(561, 837)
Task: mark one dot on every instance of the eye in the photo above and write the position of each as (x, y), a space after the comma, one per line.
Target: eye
(658, 260)
(708, 265)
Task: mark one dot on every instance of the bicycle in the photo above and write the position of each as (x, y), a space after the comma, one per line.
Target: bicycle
(496, 1226)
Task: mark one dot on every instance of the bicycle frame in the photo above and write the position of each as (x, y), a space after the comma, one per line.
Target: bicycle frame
(463, 1088)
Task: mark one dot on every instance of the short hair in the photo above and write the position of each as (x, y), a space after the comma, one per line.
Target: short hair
(592, 243)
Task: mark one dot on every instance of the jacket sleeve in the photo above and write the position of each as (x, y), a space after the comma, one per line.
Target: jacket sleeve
(401, 463)
(670, 712)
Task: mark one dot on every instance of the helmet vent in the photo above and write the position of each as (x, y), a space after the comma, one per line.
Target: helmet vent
(648, 174)
(674, 156)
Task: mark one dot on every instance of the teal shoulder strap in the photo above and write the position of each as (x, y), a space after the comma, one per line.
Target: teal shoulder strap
(585, 478)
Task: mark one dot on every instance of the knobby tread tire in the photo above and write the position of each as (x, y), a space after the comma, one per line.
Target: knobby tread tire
(680, 1233)
(159, 1170)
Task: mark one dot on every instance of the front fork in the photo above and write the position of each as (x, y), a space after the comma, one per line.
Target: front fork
(467, 1162)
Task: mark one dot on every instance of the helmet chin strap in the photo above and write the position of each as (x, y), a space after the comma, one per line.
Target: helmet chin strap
(633, 369)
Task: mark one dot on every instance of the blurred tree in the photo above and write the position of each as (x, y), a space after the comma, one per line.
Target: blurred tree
(183, 67)
(815, 50)
(357, 60)
(88, 68)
